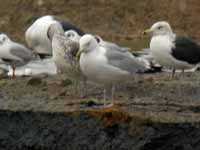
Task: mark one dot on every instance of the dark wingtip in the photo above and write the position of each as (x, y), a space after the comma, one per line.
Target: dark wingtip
(69, 26)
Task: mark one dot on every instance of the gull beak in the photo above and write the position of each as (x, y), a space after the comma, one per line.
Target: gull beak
(78, 55)
(147, 31)
(34, 52)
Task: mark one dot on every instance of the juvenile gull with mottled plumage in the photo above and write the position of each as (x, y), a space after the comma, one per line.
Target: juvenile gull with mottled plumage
(64, 53)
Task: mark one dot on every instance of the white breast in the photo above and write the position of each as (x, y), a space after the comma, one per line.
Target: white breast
(96, 67)
(161, 47)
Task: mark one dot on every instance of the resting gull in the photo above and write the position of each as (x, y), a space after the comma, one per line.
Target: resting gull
(172, 51)
(36, 34)
(73, 35)
(106, 66)
(110, 45)
(64, 53)
(13, 53)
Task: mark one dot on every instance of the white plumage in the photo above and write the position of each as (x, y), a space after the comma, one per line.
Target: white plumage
(105, 66)
(13, 53)
(36, 35)
(73, 35)
(172, 51)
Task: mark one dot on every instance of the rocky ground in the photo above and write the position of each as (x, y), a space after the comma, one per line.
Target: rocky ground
(153, 96)
(152, 112)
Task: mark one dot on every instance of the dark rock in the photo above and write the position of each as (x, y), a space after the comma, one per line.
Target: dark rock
(34, 81)
(59, 131)
(66, 82)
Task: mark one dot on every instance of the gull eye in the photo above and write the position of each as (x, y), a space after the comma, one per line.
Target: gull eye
(97, 39)
(3, 40)
(160, 27)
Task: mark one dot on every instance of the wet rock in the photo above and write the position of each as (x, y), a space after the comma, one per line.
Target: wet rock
(65, 82)
(35, 81)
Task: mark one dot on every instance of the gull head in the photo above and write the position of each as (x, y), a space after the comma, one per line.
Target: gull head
(72, 35)
(160, 28)
(54, 28)
(3, 38)
(98, 38)
(87, 43)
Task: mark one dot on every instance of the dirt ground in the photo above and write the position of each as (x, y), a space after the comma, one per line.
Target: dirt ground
(153, 96)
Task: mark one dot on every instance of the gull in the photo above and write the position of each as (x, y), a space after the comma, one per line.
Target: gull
(36, 35)
(110, 45)
(73, 35)
(13, 53)
(106, 66)
(125, 50)
(64, 53)
(172, 51)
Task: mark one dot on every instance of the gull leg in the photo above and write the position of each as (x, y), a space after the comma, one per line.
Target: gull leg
(183, 73)
(112, 94)
(173, 73)
(58, 71)
(104, 97)
(83, 88)
(75, 82)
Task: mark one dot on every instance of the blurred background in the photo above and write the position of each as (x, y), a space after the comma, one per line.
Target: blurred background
(121, 21)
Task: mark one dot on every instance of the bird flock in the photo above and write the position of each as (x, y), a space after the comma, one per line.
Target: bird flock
(85, 57)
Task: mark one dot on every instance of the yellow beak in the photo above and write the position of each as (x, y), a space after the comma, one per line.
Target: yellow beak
(34, 52)
(147, 31)
(78, 55)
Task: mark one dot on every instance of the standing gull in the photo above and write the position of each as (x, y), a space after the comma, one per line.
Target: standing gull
(13, 53)
(64, 53)
(106, 66)
(172, 51)
(74, 36)
(36, 35)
